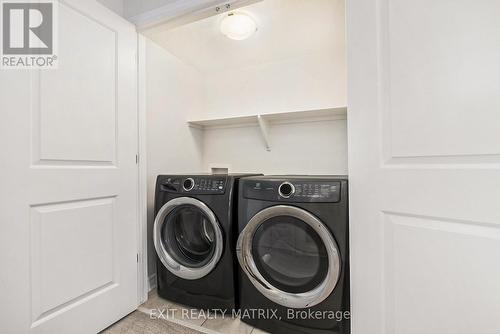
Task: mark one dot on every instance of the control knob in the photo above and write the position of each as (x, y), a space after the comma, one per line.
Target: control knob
(286, 189)
(188, 184)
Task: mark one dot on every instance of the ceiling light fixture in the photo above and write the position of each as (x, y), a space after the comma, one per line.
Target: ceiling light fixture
(238, 26)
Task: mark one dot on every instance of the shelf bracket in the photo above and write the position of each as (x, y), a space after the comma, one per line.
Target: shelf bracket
(264, 130)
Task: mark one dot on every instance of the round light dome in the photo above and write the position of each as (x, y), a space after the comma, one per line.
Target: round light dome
(238, 26)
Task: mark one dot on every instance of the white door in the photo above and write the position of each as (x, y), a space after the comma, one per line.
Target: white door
(68, 193)
(424, 165)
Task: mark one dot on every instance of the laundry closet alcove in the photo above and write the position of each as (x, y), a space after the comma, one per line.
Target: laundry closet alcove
(273, 103)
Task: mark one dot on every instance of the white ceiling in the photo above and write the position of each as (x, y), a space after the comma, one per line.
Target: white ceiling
(137, 7)
(286, 28)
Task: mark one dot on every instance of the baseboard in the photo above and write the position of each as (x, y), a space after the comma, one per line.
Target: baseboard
(152, 281)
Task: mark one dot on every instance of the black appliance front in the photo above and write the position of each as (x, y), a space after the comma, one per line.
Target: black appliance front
(194, 239)
(293, 254)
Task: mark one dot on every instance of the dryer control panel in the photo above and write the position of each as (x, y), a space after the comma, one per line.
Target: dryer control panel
(293, 190)
(196, 185)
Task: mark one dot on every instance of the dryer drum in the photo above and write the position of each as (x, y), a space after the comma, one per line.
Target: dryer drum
(187, 238)
(289, 256)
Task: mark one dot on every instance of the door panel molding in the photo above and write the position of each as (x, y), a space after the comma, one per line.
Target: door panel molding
(90, 255)
(50, 108)
(463, 154)
(427, 259)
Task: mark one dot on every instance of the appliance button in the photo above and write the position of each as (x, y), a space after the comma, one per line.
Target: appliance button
(188, 184)
(286, 189)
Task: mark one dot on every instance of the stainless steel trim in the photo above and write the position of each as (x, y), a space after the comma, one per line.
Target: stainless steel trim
(293, 300)
(168, 261)
(192, 184)
(283, 195)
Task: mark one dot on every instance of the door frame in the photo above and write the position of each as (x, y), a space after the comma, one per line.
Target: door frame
(142, 235)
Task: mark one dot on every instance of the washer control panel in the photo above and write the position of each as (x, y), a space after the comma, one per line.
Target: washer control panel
(293, 190)
(195, 185)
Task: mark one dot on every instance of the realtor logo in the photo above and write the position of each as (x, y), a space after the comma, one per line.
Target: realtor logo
(28, 34)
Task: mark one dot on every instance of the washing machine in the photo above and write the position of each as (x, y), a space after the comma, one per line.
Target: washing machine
(293, 254)
(194, 237)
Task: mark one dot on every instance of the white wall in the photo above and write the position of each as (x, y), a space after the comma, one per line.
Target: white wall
(305, 82)
(312, 81)
(302, 148)
(172, 93)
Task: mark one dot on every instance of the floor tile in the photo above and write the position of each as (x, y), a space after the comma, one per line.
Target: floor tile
(258, 331)
(192, 316)
(140, 323)
(228, 325)
(185, 313)
(172, 310)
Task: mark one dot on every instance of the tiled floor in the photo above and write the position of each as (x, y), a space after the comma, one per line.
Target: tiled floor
(140, 323)
(196, 320)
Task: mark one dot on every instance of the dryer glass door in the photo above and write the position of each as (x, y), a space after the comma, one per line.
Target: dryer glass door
(188, 238)
(289, 256)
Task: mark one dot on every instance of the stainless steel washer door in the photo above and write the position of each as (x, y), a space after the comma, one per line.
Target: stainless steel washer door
(289, 256)
(187, 238)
